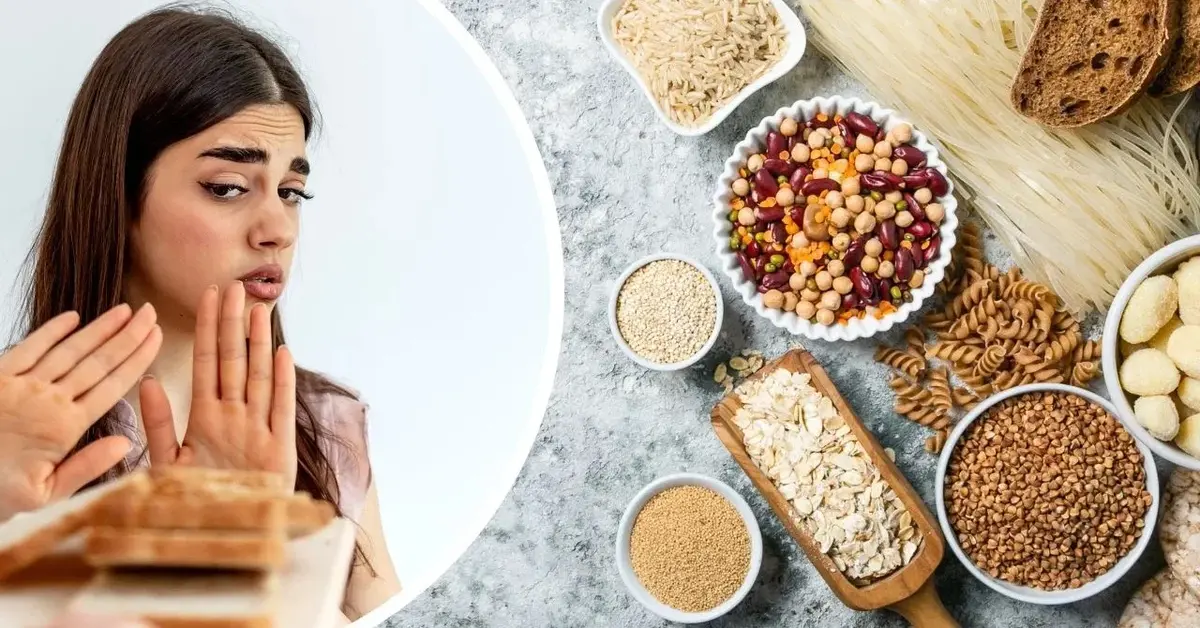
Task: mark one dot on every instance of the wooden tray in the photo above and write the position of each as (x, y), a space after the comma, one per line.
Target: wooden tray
(909, 590)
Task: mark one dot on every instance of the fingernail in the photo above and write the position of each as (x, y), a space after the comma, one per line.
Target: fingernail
(147, 376)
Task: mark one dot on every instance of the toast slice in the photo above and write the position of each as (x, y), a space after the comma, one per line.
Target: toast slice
(204, 549)
(299, 514)
(176, 599)
(175, 480)
(29, 536)
(1183, 67)
(1088, 60)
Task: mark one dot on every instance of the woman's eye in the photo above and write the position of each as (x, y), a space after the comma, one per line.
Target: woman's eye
(224, 191)
(293, 195)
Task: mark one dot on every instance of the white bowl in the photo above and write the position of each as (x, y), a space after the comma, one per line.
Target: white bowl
(625, 566)
(616, 331)
(1163, 260)
(755, 139)
(1030, 594)
(797, 43)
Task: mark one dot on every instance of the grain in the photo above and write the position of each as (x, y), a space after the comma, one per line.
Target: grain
(690, 548)
(696, 55)
(1046, 491)
(666, 311)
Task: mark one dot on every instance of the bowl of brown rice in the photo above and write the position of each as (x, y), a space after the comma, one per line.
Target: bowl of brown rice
(688, 548)
(697, 60)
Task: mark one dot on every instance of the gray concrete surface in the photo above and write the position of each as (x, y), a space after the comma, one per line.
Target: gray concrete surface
(627, 187)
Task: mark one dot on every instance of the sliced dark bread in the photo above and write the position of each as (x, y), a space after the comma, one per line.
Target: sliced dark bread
(1183, 67)
(1090, 59)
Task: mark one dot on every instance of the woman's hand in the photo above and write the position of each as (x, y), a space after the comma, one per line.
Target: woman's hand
(243, 413)
(53, 386)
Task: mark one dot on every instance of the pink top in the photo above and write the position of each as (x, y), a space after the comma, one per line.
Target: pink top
(344, 416)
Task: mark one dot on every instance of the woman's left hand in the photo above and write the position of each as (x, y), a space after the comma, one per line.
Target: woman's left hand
(243, 413)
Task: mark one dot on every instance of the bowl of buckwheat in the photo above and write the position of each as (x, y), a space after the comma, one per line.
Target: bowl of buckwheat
(665, 312)
(1044, 495)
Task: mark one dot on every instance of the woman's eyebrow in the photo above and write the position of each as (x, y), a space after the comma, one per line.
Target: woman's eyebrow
(245, 155)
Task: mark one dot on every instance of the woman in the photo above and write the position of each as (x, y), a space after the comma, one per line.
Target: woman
(168, 237)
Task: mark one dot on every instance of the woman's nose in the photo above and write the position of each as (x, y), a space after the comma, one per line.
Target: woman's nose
(275, 225)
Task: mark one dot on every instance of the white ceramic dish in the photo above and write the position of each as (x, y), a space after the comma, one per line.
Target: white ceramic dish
(755, 139)
(1029, 594)
(1163, 260)
(616, 332)
(797, 43)
(625, 567)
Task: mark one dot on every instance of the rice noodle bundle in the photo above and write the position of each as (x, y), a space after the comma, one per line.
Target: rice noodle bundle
(1078, 208)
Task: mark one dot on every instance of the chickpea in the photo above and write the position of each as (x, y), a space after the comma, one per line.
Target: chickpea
(864, 223)
(805, 133)
(746, 217)
(864, 162)
(935, 212)
(799, 240)
(841, 241)
(741, 187)
(808, 269)
(851, 186)
(835, 199)
(883, 149)
(895, 196)
(796, 281)
(824, 280)
(843, 285)
(923, 196)
(773, 299)
(918, 278)
(836, 267)
(864, 144)
(801, 153)
(754, 163)
(903, 133)
(810, 295)
(841, 217)
(789, 301)
(869, 204)
(873, 247)
(826, 317)
(820, 173)
(884, 210)
(904, 219)
(886, 269)
(830, 300)
(883, 164)
(854, 203)
(788, 127)
(899, 167)
(785, 197)
(816, 140)
(869, 264)
(806, 310)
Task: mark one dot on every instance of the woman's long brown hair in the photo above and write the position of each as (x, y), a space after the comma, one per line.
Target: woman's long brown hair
(165, 77)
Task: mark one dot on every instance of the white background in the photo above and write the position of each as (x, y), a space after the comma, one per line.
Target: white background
(429, 271)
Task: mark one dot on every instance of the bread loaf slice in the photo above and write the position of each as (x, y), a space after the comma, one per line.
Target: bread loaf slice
(183, 599)
(1088, 60)
(204, 549)
(175, 480)
(299, 513)
(1183, 67)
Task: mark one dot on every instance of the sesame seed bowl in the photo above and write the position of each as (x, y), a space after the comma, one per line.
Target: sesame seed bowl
(666, 311)
(892, 213)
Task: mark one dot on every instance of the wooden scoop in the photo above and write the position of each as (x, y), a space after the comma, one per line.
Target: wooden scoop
(909, 590)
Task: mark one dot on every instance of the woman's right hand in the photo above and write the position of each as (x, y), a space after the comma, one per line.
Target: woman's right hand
(53, 386)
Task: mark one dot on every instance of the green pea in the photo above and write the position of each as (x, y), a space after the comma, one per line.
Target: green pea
(770, 268)
(735, 243)
(902, 205)
(777, 260)
(877, 196)
(909, 237)
(781, 179)
(761, 237)
(896, 294)
(733, 216)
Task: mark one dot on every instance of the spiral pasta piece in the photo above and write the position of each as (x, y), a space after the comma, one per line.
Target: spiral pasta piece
(1029, 290)
(939, 390)
(1063, 321)
(923, 414)
(964, 397)
(1023, 311)
(914, 342)
(1087, 352)
(900, 361)
(1007, 279)
(972, 247)
(1011, 379)
(935, 442)
(969, 298)
(988, 332)
(908, 390)
(1061, 346)
(990, 361)
(1083, 372)
(1011, 330)
(956, 352)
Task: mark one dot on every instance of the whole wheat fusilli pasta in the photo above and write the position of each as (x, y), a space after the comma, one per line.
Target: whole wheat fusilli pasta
(914, 342)
(939, 390)
(901, 361)
(1062, 346)
(990, 361)
(935, 442)
(1083, 372)
(954, 352)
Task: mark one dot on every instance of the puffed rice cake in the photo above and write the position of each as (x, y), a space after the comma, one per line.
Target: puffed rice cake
(1162, 602)
(1180, 529)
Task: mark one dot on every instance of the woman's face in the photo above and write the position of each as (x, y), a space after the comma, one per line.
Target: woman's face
(218, 207)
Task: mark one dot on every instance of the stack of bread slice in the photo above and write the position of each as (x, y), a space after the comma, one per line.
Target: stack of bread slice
(177, 546)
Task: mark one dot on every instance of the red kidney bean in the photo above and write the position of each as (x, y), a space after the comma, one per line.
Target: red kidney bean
(770, 214)
(759, 226)
(848, 134)
(764, 183)
(747, 267)
(798, 176)
(779, 167)
(849, 301)
(822, 124)
(920, 230)
(893, 180)
(937, 183)
(935, 248)
(776, 144)
(875, 182)
(889, 234)
(860, 123)
(913, 207)
(763, 289)
(775, 280)
(752, 249)
(862, 283)
(854, 253)
(879, 137)
(789, 268)
(793, 141)
(816, 186)
(913, 156)
(904, 265)
(918, 257)
(916, 180)
(797, 215)
(885, 291)
(778, 233)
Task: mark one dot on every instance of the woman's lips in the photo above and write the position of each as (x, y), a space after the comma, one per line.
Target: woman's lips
(264, 283)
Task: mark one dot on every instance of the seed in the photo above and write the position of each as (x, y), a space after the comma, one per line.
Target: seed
(689, 547)
(666, 311)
